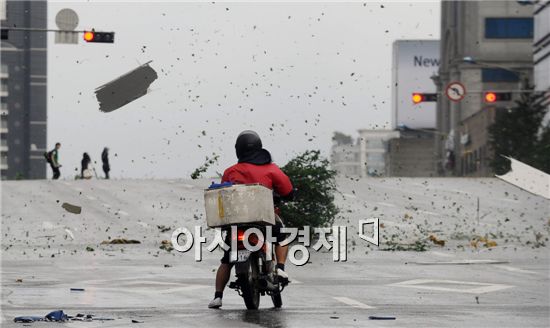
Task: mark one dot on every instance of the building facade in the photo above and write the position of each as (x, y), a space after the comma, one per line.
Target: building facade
(486, 46)
(23, 90)
(541, 48)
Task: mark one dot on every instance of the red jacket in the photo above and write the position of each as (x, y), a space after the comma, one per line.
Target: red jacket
(268, 175)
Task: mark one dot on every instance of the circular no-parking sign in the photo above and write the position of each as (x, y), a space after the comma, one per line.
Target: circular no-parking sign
(455, 91)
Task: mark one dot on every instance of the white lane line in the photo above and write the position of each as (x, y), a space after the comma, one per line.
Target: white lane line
(294, 281)
(386, 204)
(428, 212)
(508, 200)
(106, 205)
(435, 284)
(442, 254)
(349, 196)
(90, 197)
(512, 269)
(122, 213)
(353, 303)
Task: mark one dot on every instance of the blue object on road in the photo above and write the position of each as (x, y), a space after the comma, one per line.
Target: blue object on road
(220, 185)
(56, 316)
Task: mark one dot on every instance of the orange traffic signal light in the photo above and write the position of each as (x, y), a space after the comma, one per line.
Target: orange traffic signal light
(102, 37)
(88, 36)
(423, 97)
(491, 97)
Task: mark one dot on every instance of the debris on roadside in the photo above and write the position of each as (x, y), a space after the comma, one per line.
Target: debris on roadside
(59, 316)
(90, 249)
(120, 241)
(77, 289)
(19, 280)
(437, 241)
(166, 245)
(475, 243)
(72, 208)
(163, 228)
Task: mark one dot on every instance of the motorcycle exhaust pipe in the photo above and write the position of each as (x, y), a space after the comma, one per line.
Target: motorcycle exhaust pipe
(267, 285)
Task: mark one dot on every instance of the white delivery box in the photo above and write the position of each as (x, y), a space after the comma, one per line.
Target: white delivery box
(238, 204)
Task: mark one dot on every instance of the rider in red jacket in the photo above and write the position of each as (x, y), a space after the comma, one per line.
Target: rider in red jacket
(254, 166)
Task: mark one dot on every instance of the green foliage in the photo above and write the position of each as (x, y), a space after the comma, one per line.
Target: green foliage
(204, 167)
(314, 180)
(342, 139)
(517, 133)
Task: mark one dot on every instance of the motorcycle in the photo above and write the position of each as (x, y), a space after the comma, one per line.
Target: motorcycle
(256, 275)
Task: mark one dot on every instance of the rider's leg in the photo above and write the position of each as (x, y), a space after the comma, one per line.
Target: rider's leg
(281, 253)
(222, 277)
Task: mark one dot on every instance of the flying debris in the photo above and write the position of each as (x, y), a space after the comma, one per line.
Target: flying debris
(126, 88)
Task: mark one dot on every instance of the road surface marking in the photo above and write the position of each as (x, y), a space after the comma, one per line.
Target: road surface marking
(349, 196)
(428, 212)
(122, 213)
(353, 303)
(479, 287)
(508, 200)
(461, 262)
(512, 269)
(90, 197)
(106, 205)
(386, 204)
(294, 281)
(442, 254)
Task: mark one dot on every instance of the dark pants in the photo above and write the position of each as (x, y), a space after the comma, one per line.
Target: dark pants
(106, 170)
(56, 172)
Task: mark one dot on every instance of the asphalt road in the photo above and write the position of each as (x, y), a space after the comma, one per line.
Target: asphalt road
(462, 284)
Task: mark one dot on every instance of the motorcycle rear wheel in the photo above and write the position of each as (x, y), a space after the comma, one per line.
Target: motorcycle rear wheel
(251, 294)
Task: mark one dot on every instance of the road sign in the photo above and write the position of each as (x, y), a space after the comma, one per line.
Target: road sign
(455, 91)
(67, 20)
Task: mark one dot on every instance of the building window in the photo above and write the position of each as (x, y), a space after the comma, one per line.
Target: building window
(4, 85)
(498, 75)
(509, 28)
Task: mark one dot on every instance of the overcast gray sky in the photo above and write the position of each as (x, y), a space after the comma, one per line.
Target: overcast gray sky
(295, 73)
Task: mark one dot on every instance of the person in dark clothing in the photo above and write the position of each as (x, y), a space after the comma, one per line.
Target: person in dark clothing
(84, 165)
(53, 157)
(105, 160)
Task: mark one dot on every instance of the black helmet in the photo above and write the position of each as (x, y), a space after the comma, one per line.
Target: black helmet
(248, 141)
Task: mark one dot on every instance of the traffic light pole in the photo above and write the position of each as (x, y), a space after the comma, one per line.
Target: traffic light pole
(29, 29)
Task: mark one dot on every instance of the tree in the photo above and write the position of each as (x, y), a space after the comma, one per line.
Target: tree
(314, 180)
(519, 132)
(342, 139)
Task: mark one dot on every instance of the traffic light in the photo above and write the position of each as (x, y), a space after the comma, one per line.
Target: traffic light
(491, 97)
(102, 37)
(423, 97)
